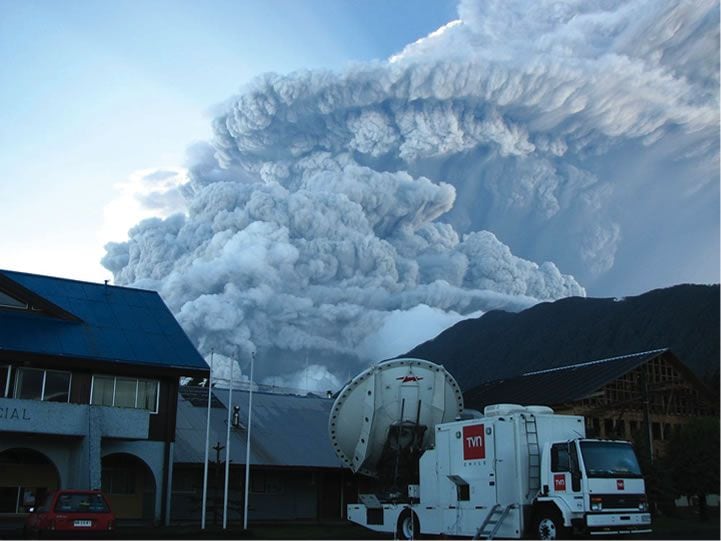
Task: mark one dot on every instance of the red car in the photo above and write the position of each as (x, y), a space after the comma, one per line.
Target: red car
(74, 513)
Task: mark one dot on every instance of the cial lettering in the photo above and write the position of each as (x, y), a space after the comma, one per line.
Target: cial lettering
(11, 414)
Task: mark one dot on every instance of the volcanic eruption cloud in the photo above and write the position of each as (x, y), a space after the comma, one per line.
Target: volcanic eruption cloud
(525, 149)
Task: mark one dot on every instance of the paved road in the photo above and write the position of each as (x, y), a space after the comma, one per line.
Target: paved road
(663, 529)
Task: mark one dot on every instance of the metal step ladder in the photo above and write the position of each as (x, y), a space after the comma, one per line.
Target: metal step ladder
(534, 456)
(493, 521)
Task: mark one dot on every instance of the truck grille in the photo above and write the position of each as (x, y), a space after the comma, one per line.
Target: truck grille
(621, 501)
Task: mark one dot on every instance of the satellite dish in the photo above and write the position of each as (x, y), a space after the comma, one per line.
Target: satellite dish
(409, 392)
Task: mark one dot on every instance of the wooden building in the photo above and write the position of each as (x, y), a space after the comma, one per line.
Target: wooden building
(642, 397)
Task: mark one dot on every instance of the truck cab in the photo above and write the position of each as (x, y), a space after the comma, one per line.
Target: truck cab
(591, 486)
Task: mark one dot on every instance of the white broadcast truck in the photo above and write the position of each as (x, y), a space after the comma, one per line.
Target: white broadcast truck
(514, 471)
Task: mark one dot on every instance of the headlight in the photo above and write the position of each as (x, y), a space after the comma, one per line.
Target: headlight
(596, 504)
(643, 505)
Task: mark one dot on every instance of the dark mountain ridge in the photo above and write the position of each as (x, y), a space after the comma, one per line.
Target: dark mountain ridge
(497, 345)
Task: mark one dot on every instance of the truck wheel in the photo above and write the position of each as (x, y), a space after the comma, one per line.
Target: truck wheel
(408, 526)
(549, 525)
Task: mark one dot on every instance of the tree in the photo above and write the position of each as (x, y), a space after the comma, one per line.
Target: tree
(692, 457)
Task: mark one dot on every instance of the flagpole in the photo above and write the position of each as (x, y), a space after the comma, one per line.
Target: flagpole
(227, 449)
(247, 446)
(207, 443)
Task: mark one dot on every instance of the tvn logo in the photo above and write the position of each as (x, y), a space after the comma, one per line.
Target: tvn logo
(474, 442)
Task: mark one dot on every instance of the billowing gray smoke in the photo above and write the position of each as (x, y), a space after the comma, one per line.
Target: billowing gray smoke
(339, 218)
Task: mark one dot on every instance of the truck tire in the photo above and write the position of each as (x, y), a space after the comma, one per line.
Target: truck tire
(408, 526)
(548, 524)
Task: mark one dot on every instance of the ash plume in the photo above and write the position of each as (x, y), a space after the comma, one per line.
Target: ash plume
(333, 212)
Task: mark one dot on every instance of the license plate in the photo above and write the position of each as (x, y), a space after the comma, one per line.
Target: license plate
(82, 523)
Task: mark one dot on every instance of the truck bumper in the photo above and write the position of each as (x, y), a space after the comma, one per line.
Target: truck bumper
(618, 523)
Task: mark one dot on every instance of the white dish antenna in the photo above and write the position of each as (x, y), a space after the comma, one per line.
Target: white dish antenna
(411, 391)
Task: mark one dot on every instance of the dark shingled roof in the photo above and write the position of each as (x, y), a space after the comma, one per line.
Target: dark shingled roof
(99, 322)
(557, 385)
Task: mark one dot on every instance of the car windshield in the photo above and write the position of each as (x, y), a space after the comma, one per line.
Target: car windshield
(610, 459)
(81, 503)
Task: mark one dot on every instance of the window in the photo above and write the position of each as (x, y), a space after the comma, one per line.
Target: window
(57, 386)
(118, 480)
(125, 390)
(81, 503)
(103, 387)
(39, 384)
(4, 380)
(559, 458)
(609, 459)
(29, 384)
(147, 395)
(656, 431)
(125, 393)
(7, 301)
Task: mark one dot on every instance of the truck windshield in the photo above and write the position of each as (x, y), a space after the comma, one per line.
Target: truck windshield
(609, 459)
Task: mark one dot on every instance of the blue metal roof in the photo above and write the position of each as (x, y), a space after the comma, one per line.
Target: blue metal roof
(94, 321)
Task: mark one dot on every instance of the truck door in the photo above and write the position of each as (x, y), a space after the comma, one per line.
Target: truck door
(506, 472)
(509, 481)
(565, 475)
(476, 452)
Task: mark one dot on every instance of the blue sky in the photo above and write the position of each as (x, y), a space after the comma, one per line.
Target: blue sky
(94, 91)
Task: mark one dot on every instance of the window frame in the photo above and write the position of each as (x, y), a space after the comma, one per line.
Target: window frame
(45, 371)
(137, 387)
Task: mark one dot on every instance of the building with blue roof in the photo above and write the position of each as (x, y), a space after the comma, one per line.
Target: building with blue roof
(89, 377)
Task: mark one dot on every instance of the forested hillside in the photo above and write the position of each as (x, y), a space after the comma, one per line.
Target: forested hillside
(684, 318)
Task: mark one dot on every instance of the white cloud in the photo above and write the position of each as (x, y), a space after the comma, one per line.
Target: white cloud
(146, 193)
(402, 330)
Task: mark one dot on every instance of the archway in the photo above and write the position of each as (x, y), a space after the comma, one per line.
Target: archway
(26, 475)
(129, 484)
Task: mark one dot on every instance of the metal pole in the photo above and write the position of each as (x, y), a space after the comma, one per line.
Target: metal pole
(207, 443)
(227, 449)
(247, 447)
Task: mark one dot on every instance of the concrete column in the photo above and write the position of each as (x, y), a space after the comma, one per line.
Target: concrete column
(94, 439)
(169, 486)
